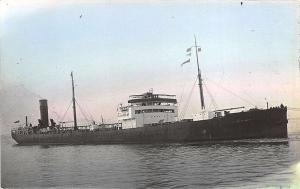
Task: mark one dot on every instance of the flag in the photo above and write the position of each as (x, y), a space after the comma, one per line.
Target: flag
(17, 121)
(199, 49)
(187, 61)
(188, 49)
(189, 54)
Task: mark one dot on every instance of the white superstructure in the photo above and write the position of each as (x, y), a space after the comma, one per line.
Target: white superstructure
(146, 109)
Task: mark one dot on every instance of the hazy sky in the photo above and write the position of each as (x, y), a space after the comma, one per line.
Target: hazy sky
(119, 49)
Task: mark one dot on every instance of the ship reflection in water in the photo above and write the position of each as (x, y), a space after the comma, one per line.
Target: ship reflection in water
(241, 164)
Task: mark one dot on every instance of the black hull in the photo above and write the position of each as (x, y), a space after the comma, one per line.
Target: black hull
(269, 123)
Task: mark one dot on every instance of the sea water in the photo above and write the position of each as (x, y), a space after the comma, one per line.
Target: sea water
(233, 164)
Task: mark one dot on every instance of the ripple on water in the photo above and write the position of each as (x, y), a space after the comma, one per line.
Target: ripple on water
(248, 163)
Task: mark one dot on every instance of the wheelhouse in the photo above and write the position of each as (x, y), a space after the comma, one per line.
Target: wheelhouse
(147, 109)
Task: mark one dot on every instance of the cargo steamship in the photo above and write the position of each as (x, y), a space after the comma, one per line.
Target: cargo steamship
(153, 118)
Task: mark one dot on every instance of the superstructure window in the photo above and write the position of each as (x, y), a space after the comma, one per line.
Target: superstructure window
(148, 111)
(154, 110)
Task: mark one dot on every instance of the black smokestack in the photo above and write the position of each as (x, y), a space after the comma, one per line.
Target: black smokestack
(44, 113)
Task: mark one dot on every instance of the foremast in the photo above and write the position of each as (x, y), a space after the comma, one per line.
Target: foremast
(199, 76)
(74, 103)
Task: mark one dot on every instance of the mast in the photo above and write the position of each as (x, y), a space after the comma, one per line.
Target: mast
(199, 78)
(74, 104)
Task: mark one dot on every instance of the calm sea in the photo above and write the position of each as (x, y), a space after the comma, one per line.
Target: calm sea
(238, 164)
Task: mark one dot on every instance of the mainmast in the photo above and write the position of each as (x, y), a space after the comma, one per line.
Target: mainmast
(199, 77)
(74, 104)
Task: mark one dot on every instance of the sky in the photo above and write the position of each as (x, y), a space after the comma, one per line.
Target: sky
(115, 49)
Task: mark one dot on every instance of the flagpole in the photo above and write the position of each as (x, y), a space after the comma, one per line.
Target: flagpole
(199, 77)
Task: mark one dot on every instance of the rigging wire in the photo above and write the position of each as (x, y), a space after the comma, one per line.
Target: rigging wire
(250, 97)
(57, 116)
(82, 111)
(213, 102)
(66, 112)
(188, 99)
(89, 114)
(234, 94)
(181, 96)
